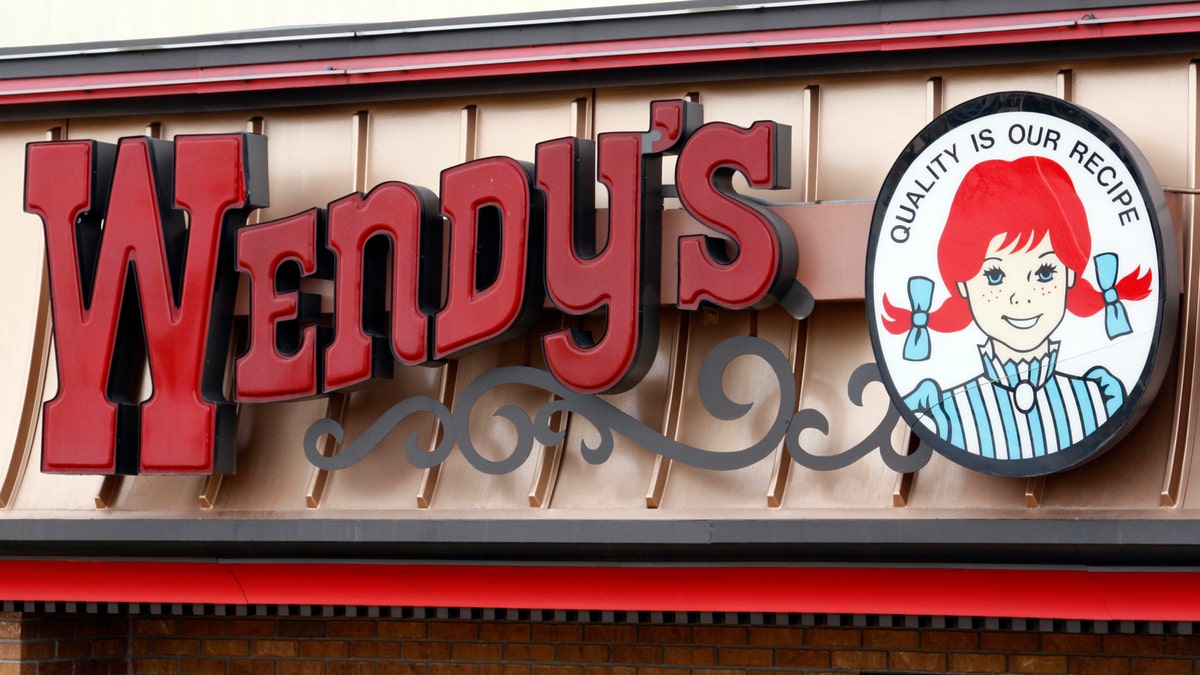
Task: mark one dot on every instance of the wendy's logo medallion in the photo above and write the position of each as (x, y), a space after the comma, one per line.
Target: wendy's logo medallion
(1022, 284)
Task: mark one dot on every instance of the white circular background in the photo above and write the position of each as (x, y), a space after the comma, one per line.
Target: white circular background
(954, 357)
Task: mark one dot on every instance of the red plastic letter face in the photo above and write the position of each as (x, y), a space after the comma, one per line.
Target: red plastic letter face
(402, 219)
(622, 279)
(282, 361)
(142, 261)
(495, 276)
(764, 262)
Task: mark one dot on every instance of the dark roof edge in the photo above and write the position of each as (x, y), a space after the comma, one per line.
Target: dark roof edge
(1158, 542)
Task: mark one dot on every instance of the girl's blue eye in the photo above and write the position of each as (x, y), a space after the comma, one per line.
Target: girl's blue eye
(994, 276)
(1045, 273)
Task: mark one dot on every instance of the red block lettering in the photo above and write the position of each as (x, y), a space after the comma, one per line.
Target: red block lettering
(763, 265)
(405, 219)
(496, 236)
(144, 260)
(282, 360)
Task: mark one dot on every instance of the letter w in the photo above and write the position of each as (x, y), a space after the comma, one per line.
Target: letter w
(118, 254)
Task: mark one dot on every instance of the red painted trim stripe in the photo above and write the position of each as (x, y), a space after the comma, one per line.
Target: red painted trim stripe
(658, 52)
(1052, 594)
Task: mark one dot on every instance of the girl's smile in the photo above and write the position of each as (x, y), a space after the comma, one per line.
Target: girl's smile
(1022, 324)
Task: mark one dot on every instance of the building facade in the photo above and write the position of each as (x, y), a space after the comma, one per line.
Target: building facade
(741, 492)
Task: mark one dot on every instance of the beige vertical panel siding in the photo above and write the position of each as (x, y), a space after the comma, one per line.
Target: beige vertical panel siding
(1148, 101)
(865, 123)
(961, 85)
(21, 272)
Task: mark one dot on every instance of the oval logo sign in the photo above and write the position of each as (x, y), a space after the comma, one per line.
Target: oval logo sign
(1022, 285)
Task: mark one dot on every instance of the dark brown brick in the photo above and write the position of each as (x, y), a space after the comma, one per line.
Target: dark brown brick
(50, 628)
(102, 627)
(225, 648)
(41, 649)
(73, 649)
(400, 668)
(556, 632)
(155, 665)
(215, 667)
(452, 669)
(324, 649)
(477, 651)
(301, 629)
(802, 658)
(1004, 641)
(375, 649)
(275, 647)
(454, 630)
(583, 653)
(351, 628)
(425, 651)
(1071, 643)
(110, 647)
(833, 637)
(250, 667)
(774, 636)
(610, 633)
(251, 628)
(153, 626)
(720, 635)
(528, 651)
(1183, 645)
(950, 640)
(690, 656)
(1098, 665)
(609, 670)
(892, 638)
(351, 668)
(645, 654)
(290, 667)
(404, 630)
(56, 668)
(557, 670)
(658, 670)
(1134, 644)
(504, 669)
(196, 627)
(665, 635)
(746, 656)
(919, 661)
(1039, 663)
(1152, 666)
(977, 663)
(857, 659)
(503, 631)
(177, 647)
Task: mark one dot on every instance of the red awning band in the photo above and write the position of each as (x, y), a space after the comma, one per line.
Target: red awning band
(1084, 594)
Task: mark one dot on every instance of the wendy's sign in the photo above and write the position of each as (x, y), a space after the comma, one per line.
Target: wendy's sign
(1021, 284)
(145, 241)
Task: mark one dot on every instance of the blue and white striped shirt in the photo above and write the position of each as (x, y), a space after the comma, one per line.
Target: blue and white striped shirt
(1018, 410)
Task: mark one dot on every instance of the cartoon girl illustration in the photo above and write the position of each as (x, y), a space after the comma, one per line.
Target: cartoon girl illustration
(1012, 255)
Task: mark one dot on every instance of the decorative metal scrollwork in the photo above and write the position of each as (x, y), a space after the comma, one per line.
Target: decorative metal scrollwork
(606, 419)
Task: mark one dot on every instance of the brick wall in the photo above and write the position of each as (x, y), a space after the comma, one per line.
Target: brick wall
(38, 644)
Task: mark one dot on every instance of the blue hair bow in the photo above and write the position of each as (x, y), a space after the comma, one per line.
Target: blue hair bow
(920, 294)
(1116, 322)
